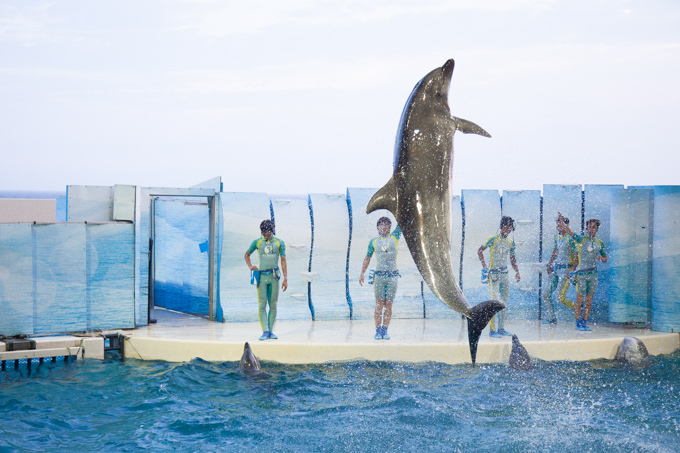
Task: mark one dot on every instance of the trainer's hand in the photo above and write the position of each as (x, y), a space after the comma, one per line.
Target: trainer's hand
(253, 268)
(284, 285)
(517, 277)
(361, 279)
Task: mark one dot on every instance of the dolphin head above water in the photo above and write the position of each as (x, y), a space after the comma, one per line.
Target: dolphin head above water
(419, 192)
(249, 363)
(632, 350)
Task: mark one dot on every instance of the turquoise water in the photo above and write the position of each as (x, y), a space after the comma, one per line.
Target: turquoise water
(90, 405)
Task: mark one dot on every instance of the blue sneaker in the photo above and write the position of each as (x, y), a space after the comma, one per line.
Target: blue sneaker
(579, 325)
(272, 336)
(378, 333)
(549, 321)
(584, 327)
(504, 332)
(384, 333)
(265, 336)
(494, 334)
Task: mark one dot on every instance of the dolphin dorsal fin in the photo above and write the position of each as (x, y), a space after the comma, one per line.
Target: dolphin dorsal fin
(468, 127)
(385, 198)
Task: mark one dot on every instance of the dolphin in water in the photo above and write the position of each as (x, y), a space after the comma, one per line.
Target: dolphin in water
(419, 193)
(249, 363)
(632, 350)
(519, 357)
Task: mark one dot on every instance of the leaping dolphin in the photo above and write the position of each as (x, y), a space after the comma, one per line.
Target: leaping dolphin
(419, 193)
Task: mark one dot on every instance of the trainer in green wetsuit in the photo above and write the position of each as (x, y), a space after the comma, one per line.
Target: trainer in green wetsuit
(560, 262)
(269, 249)
(386, 248)
(589, 250)
(500, 248)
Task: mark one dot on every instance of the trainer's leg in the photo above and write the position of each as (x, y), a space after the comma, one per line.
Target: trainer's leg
(262, 290)
(273, 300)
(547, 295)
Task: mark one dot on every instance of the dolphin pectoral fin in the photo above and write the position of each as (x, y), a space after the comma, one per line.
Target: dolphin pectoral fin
(480, 316)
(385, 198)
(468, 127)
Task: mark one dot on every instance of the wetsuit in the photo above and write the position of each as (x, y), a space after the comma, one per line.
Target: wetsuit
(588, 250)
(563, 262)
(386, 249)
(500, 249)
(268, 286)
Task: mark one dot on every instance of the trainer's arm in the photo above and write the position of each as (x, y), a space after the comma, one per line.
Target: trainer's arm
(250, 265)
(284, 269)
(513, 262)
(364, 266)
(480, 253)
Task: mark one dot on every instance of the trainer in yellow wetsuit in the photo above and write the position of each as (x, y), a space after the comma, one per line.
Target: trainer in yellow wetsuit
(269, 249)
(500, 248)
(589, 251)
(561, 260)
(386, 248)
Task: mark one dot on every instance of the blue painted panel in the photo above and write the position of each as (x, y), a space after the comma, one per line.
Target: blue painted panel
(242, 214)
(434, 308)
(666, 263)
(181, 226)
(16, 279)
(567, 199)
(61, 209)
(329, 256)
(294, 227)
(482, 209)
(408, 302)
(59, 278)
(525, 208)
(110, 298)
(630, 255)
(597, 205)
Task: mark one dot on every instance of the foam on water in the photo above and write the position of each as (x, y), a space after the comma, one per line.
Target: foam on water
(354, 406)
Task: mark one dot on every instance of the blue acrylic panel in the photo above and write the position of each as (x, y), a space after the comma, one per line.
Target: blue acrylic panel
(142, 259)
(597, 205)
(181, 259)
(666, 263)
(482, 210)
(630, 255)
(242, 214)
(59, 278)
(61, 209)
(329, 256)
(110, 295)
(434, 308)
(525, 209)
(16, 279)
(567, 199)
(89, 203)
(294, 227)
(408, 303)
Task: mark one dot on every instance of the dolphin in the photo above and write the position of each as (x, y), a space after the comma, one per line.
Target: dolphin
(519, 357)
(419, 193)
(632, 350)
(249, 363)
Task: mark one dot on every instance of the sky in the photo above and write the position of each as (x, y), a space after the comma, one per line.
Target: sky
(305, 96)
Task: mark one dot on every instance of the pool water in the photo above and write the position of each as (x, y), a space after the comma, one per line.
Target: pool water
(90, 405)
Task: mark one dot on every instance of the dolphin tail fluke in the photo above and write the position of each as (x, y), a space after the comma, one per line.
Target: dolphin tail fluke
(468, 127)
(480, 315)
(385, 198)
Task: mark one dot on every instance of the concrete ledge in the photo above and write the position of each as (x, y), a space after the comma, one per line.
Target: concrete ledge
(183, 339)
